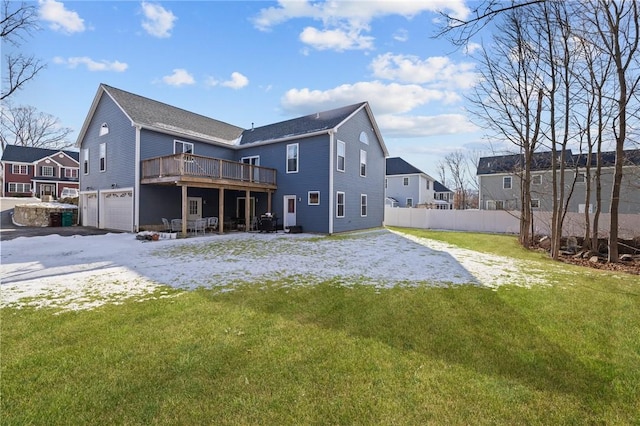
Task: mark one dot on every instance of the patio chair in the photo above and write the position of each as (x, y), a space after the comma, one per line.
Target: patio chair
(166, 224)
(212, 223)
(199, 225)
(176, 225)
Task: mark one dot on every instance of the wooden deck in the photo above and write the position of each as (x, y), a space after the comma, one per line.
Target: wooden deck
(206, 172)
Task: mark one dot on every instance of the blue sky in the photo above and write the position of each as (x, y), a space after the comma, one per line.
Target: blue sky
(261, 62)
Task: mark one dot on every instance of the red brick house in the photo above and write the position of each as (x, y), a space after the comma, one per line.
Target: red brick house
(28, 171)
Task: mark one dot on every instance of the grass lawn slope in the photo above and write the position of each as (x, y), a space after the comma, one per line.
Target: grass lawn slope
(282, 352)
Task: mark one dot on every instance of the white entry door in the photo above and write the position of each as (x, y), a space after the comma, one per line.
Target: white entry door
(90, 210)
(194, 208)
(289, 211)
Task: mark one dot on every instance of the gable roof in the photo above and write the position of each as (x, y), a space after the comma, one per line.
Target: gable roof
(542, 161)
(438, 187)
(165, 118)
(397, 166)
(513, 162)
(28, 154)
(312, 124)
(309, 124)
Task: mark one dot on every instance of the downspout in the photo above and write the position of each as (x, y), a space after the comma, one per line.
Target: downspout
(331, 171)
(136, 189)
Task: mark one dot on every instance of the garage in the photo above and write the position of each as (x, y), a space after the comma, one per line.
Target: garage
(116, 210)
(90, 209)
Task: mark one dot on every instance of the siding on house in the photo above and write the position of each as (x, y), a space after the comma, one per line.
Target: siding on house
(120, 149)
(352, 184)
(159, 125)
(493, 195)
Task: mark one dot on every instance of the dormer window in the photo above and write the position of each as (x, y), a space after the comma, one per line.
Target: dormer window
(104, 129)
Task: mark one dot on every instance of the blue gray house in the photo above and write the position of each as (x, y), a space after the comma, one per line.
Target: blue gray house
(143, 160)
(408, 186)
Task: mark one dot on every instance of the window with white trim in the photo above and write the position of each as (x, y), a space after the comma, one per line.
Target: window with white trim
(19, 187)
(581, 177)
(19, 169)
(103, 157)
(340, 152)
(363, 205)
(339, 204)
(180, 147)
(364, 138)
(409, 202)
(104, 129)
(536, 180)
(535, 203)
(428, 184)
(506, 182)
(47, 171)
(363, 163)
(313, 198)
(71, 173)
(405, 181)
(292, 158)
(85, 161)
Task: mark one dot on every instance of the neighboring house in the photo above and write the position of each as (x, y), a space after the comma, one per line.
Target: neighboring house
(443, 196)
(499, 178)
(143, 160)
(408, 186)
(37, 172)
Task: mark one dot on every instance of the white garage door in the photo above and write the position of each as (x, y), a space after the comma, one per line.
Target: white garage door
(116, 210)
(90, 210)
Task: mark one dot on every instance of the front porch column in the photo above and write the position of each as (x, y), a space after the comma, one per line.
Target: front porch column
(185, 210)
(247, 209)
(221, 210)
(269, 202)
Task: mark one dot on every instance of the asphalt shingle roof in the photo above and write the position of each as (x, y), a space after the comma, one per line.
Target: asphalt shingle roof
(397, 166)
(438, 187)
(148, 112)
(542, 161)
(300, 126)
(27, 154)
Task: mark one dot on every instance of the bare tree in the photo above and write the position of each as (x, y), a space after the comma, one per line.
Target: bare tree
(17, 23)
(509, 97)
(26, 126)
(618, 25)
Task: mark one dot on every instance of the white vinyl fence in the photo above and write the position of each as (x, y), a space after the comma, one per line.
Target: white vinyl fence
(503, 222)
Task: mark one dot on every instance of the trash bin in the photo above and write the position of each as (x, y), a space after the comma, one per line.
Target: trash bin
(67, 218)
(55, 219)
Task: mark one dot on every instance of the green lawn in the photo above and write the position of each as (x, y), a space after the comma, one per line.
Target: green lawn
(280, 354)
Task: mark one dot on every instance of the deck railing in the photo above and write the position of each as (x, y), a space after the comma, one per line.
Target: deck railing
(180, 165)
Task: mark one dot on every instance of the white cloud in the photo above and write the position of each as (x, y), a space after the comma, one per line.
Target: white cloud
(353, 11)
(421, 125)
(91, 65)
(401, 35)
(59, 18)
(158, 21)
(337, 39)
(344, 22)
(385, 98)
(472, 47)
(180, 77)
(237, 81)
(436, 70)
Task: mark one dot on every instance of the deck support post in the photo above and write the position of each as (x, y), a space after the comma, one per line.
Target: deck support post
(221, 210)
(247, 209)
(185, 210)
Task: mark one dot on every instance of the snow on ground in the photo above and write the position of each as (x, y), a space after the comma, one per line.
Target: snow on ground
(83, 272)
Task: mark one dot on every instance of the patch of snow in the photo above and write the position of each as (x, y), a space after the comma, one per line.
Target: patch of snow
(83, 272)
